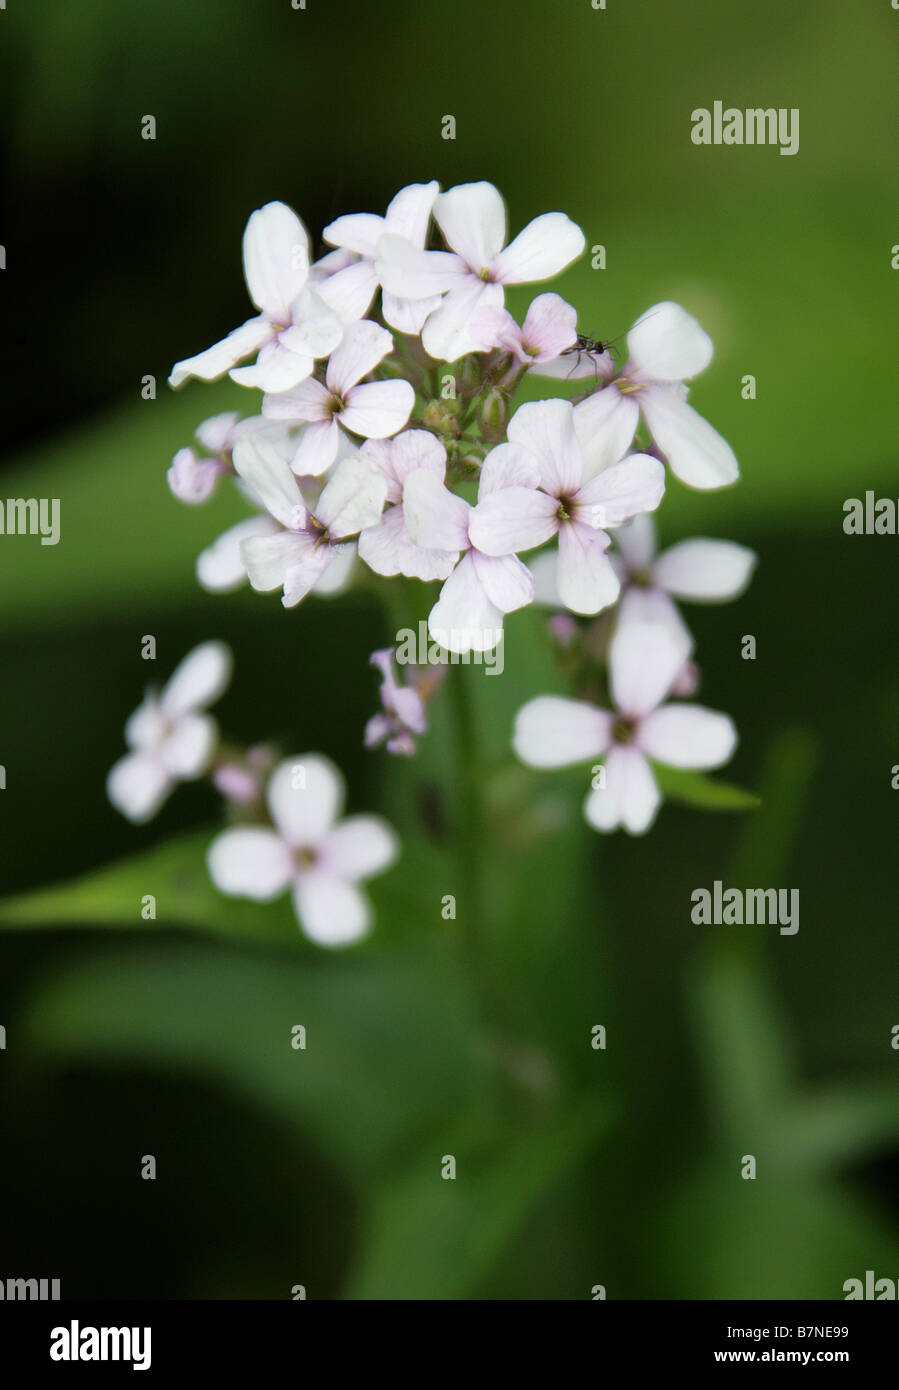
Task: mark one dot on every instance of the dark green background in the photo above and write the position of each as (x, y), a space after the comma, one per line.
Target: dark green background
(575, 1167)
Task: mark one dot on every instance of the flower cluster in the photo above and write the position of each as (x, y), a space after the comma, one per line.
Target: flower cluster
(389, 439)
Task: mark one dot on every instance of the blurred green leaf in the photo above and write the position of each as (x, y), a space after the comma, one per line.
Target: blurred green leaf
(360, 1088)
(436, 1238)
(695, 789)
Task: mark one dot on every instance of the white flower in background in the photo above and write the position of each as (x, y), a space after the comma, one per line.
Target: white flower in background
(295, 325)
(387, 548)
(170, 736)
(666, 347)
(296, 557)
(549, 328)
(309, 850)
(408, 216)
(372, 409)
(699, 570)
(472, 274)
(403, 706)
(646, 655)
(482, 588)
(571, 481)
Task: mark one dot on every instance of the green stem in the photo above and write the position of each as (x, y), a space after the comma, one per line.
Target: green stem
(469, 817)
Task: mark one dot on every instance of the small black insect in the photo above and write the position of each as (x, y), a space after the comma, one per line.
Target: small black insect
(585, 345)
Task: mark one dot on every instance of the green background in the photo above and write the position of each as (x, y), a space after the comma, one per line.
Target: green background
(575, 1167)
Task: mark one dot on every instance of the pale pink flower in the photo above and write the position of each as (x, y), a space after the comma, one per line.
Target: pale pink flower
(550, 326)
(387, 548)
(370, 409)
(310, 850)
(403, 710)
(646, 655)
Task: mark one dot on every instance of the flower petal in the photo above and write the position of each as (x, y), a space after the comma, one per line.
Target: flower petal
(359, 232)
(318, 448)
(630, 797)
(269, 559)
(508, 584)
(705, 569)
(387, 548)
(307, 574)
(636, 484)
(220, 568)
(275, 259)
(364, 345)
(668, 344)
(359, 847)
(219, 358)
(309, 401)
(550, 326)
(435, 517)
(648, 650)
(543, 249)
(270, 480)
(463, 619)
(137, 786)
(198, 680)
(409, 211)
(472, 218)
(585, 577)
(695, 451)
(605, 423)
(453, 329)
(249, 862)
(276, 369)
(408, 315)
(187, 751)
(377, 409)
(688, 736)
(637, 542)
(331, 911)
(349, 292)
(352, 498)
(515, 518)
(405, 271)
(305, 797)
(508, 465)
(547, 429)
(552, 731)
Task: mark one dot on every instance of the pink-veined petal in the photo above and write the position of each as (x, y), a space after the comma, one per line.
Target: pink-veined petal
(309, 401)
(452, 330)
(269, 559)
(463, 619)
(352, 498)
(307, 574)
(605, 423)
(388, 549)
(270, 480)
(550, 326)
(508, 465)
(636, 484)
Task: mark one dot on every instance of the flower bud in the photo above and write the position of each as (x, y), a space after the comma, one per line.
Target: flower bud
(493, 414)
(442, 416)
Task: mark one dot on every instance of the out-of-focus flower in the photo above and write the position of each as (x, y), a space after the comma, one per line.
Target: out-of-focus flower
(170, 736)
(698, 570)
(372, 409)
(646, 656)
(308, 849)
(295, 325)
(403, 714)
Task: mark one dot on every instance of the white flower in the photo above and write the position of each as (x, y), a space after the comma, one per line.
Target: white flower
(666, 347)
(309, 850)
(698, 570)
(482, 588)
(646, 655)
(570, 480)
(297, 555)
(193, 477)
(472, 274)
(549, 328)
(295, 325)
(170, 738)
(387, 548)
(407, 218)
(374, 409)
